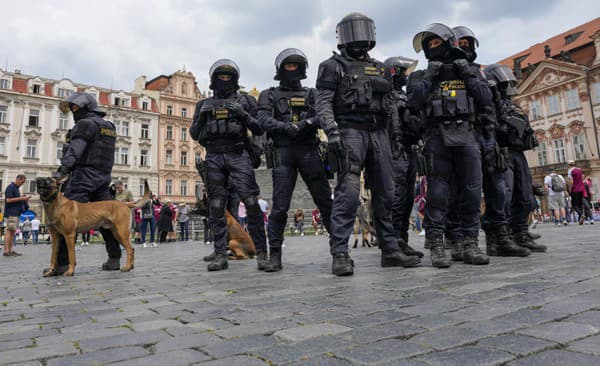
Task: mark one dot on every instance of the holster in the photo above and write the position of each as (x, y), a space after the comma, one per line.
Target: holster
(324, 156)
(338, 160)
(272, 155)
(202, 170)
(420, 160)
(254, 151)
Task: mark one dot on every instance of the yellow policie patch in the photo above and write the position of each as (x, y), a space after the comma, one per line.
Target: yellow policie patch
(295, 118)
(221, 114)
(108, 132)
(297, 102)
(372, 71)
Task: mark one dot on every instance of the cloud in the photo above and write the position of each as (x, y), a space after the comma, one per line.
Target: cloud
(111, 43)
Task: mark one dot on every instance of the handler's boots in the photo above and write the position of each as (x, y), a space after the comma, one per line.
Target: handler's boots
(210, 257)
(342, 264)
(505, 246)
(456, 249)
(274, 264)
(396, 258)
(533, 236)
(263, 260)
(439, 258)
(112, 264)
(218, 263)
(522, 239)
(472, 254)
(407, 249)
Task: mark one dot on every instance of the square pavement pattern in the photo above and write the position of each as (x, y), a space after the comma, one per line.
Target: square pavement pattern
(539, 310)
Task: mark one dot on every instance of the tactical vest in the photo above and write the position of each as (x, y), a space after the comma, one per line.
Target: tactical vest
(221, 128)
(450, 100)
(100, 151)
(514, 129)
(408, 136)
(292, 106)
(360, 92)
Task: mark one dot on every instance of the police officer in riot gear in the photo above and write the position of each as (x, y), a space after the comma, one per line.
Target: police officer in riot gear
(351, 87)
(514, 133)
(287, 114)
(405, 132)
(494, 221)
(221, 125)
(450, 93)
(88, 158)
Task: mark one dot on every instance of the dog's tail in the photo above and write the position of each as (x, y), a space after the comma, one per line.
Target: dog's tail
(145, 198)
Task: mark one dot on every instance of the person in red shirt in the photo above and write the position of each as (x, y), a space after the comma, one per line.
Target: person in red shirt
(317, 223)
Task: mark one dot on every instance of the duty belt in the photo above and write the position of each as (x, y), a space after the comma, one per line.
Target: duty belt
(225, 147)
(365, 126)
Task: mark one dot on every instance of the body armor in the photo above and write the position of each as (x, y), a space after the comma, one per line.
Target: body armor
(450, 100)
(514, 130)
(293, 106)
(100, 151)
(221, 132)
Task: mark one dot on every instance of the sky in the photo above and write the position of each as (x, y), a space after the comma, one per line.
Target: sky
(110, 43)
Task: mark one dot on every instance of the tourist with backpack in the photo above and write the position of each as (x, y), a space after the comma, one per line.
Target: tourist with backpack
(557, 187)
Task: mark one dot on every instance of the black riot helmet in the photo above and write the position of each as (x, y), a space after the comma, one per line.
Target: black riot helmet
(400, 64)
(449, 51)
(84, 101)
(503, 76)
(356, 28)
(224, 66)
(465, 32)
(291, 55)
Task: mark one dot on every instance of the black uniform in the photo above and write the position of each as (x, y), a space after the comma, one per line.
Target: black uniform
(278, 107)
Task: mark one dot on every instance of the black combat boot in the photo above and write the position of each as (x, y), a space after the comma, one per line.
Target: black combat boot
(491, 243)
(522, 239)
(396, 258)
(533, 236)
(439, 259)
(274, 264)
(472, 254)
(210, 257)
(506, 247)
(263, 260)
(218, 263)
(456, 248)
(407, 249)
(342, 265)
(112, 264)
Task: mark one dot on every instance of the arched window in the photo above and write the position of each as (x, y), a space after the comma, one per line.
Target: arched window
(183, 88)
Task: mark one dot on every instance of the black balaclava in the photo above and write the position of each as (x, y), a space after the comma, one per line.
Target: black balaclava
(399, 80)
(440, 53)
(291, 79)
(470, 50)
(357, 50)
(80, 113)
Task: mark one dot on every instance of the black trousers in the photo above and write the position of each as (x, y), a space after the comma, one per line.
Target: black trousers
(405, 173)
(519, 192)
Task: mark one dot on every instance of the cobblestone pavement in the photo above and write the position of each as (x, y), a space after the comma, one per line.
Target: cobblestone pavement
(540, 310)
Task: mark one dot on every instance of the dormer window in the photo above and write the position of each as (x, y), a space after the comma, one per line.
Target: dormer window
(63, 93)
(572, 37)
(4, 84)
(122, 102)
(36, 89)
(145, 105)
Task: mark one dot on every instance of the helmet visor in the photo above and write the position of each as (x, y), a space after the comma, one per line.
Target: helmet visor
(355, 31)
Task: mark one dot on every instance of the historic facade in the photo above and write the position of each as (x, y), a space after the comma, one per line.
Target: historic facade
(177, 95)
(32, 131)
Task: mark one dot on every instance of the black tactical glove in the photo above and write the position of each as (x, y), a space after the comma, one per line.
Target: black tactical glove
(488, 130)
(433, 69)
(304, 124)
(291, 130)
(414, 124)
(464, 69)
(236, 109)
(334, 141)
(61, 174)
(397, 148)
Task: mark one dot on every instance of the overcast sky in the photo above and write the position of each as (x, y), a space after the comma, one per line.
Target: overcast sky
(112, 42)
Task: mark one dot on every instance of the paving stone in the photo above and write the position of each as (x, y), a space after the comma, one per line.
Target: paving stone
(35, 353)
(239, 345)
(235, 361)
(516, 344)
(133, 339)
(589, 345)
(467, 356)
(155, 324)
(188, 341)
(558, 358)
(444, 338)
(323, 361)
(264, 328)
(381, 317)
(531, 316)
(175, 358)
(561, 332)
(100, 357)
(20, 343)
(589, 317)
(491, 327)
(384, 351)
(280, 354)
(302, 333)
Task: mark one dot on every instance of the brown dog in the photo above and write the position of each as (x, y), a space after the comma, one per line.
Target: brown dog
(67, 218)
(363, 226)
(240, 242)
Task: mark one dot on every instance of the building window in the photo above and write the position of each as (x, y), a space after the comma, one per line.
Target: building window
(169, 187)
(145, 131)
(169, 110)
(63, 93)
(559, 151)
(124, 155)
(2, 146)
(36, 89)
(145, 105)
(579, 146)
(3, 113)
(572, 99)
(183, 134)
(553, 104)
(183, 89)
(197, 157)
(31, 186)
(63, 121)
(597, 92)
(144, 158)
(59, 151)
(542, 154)
(536, 109)
(124, 128)
(34, 117)
(4, 84)
(122, 102)
(141, 187)
(31, 148)
(169, 132)
(169, 156)
(197, 188)
(184, 187)
(183, 112)
(183, 158)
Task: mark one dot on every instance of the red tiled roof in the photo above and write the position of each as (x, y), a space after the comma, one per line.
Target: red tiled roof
(558, 43)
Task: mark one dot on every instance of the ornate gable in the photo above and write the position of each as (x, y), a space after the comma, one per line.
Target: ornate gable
(549, 74)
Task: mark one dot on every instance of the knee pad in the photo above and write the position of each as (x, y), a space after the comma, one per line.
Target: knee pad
(216, 207)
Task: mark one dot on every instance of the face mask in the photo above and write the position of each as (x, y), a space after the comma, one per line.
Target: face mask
(399, 81)
(291, 75)
(470, 51)
(356, 52)
(440, 53)
(222, 85)
(79, 114)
